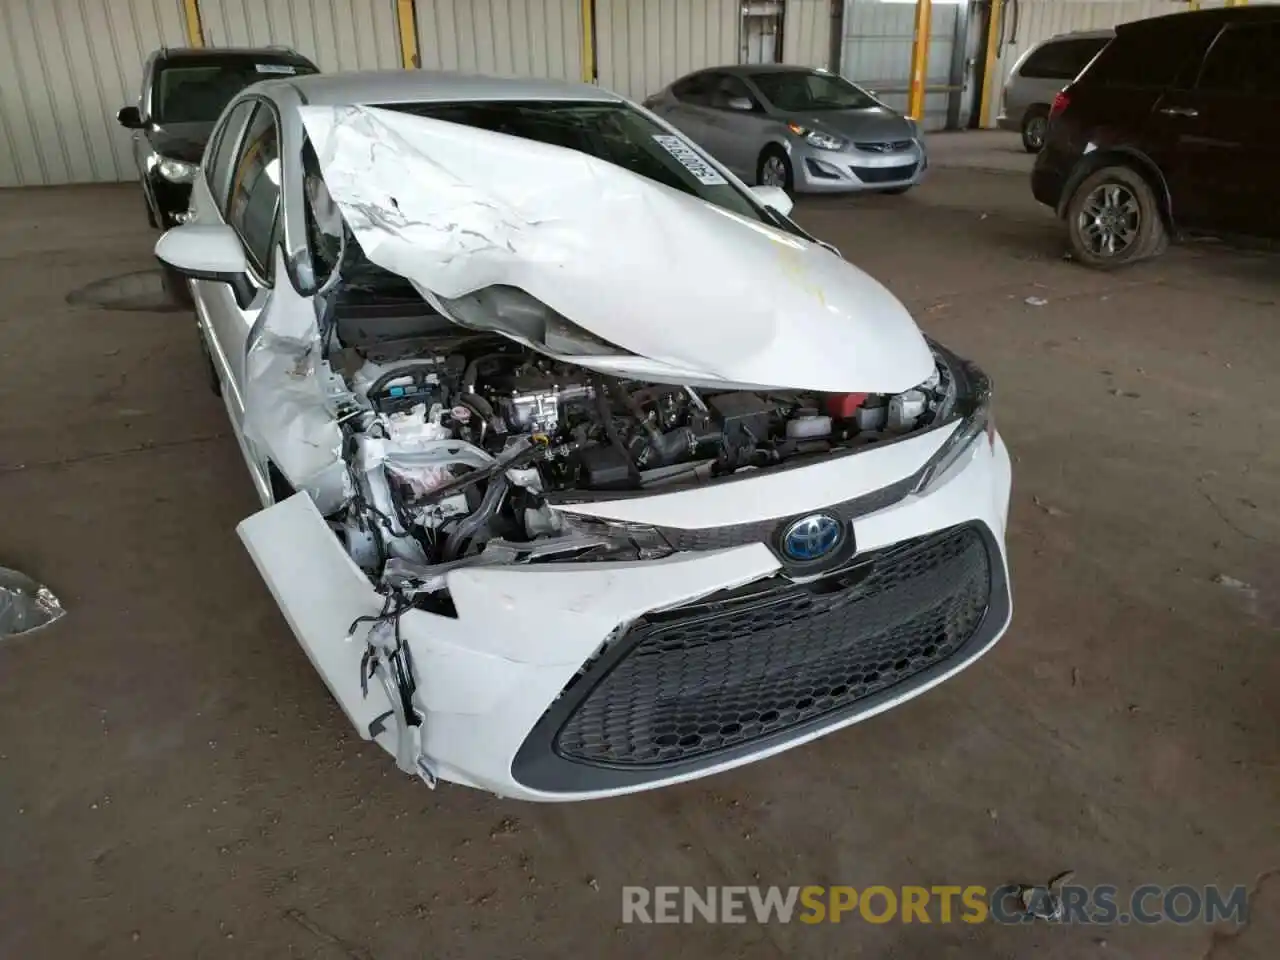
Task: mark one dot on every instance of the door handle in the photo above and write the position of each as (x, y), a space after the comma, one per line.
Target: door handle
(1180, 111)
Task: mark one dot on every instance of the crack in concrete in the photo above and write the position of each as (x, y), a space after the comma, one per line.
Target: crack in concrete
(1219, 938)
(108, 454)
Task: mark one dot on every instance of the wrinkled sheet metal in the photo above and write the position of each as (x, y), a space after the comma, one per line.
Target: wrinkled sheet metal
(291, 397)
(24, 604)
(695, 293)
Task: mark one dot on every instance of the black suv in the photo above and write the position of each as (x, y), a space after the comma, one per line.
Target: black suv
(183, 92)
(1173, 128)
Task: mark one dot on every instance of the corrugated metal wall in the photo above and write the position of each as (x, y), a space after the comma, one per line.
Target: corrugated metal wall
(523, 38)
(806, 33)
(1040, 19)
(66, 67)
(336, 34)
(877, 52)
(642, 45)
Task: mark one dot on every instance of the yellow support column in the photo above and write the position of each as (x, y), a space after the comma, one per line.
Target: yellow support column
(407, 20)
(919, 60)
(195, 29)
(588, 41)
(989, 67)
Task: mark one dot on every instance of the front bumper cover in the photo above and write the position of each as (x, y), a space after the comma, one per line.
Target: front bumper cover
(487, 677)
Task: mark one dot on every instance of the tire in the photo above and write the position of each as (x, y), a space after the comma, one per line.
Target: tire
(1035, 123)
(175, 285)
(775, 164)
(215, 385)
(1114, 219)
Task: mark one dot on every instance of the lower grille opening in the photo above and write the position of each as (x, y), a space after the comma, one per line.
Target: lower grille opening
(884, 174)
(691, 683)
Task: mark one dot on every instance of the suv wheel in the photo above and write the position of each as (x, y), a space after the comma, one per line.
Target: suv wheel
(1034, 126)
(1113, 219)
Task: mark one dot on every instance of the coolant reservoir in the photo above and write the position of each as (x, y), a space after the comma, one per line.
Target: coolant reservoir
(807, 428)
(905, 409)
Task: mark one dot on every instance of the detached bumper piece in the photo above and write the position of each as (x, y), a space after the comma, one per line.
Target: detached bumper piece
(744, 670)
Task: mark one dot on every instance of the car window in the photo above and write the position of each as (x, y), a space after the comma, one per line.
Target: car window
(799, 90)
(728, 87)
(696, 89)
(1061, 59)
(255, 188)
(217, 159)
(1244, 60)
(1151, 55)
(611, 131)
(195, 90)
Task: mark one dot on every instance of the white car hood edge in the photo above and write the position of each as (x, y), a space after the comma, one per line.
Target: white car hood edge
(697, 294)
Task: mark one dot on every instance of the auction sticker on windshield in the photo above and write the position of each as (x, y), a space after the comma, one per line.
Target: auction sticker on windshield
(275, 68)
(702, 171)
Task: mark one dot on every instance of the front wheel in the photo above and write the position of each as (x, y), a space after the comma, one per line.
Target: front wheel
(1113, 219)
(774, 169)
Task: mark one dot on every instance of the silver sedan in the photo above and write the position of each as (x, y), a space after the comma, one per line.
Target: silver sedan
(794, 127)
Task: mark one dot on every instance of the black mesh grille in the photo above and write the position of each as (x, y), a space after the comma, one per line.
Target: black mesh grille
(884, 174)
(714, 675)
(762, 531)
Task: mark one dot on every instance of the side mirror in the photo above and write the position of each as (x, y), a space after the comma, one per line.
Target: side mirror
(129, 118)
(204, 251)
(741, 104)
(775, 198)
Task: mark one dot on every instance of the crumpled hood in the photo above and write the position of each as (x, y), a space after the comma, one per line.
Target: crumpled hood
(697, 294)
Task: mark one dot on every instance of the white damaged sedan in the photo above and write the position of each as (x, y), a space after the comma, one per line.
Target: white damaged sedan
(584, 469)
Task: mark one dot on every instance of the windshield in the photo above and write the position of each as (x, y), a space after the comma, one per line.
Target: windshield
(794, 90)
(196, 92)
(611, 131)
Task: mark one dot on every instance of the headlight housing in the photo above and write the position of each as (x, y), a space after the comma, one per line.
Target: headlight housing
(176, 171)
(816, 138)
(973, 398)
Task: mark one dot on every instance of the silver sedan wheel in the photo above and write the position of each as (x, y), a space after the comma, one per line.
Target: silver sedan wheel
(1110, 219)
(1036, 128)
(773, 172)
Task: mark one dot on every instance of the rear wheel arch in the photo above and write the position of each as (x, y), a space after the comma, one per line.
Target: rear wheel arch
(1135, 160)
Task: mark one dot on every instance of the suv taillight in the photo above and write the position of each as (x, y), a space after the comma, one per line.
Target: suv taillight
(1061, 100)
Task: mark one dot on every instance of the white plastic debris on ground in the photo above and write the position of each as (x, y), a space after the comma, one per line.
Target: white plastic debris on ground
(24, 604)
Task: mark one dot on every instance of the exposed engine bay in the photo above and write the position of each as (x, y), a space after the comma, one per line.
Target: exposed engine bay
(459, 449)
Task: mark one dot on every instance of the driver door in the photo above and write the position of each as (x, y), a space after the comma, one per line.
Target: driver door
(242, 189)
(734, 136)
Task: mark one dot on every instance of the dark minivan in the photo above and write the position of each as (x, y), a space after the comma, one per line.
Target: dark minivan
(1173, 128)
(183, 93)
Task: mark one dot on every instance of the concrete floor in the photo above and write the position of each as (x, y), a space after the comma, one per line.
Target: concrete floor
(176, 781)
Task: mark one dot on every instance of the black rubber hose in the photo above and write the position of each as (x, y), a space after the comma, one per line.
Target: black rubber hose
(467, 528)
(473, 369)
(478, 404)
(611, 431)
